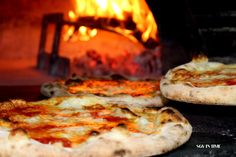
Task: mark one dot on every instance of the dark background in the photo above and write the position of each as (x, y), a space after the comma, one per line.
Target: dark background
(189, 27)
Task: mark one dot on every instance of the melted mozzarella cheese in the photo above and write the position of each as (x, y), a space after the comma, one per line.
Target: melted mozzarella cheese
(78, 103)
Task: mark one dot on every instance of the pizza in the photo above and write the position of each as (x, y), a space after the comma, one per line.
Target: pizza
(201, 82)
(142, 92)
(83, 126)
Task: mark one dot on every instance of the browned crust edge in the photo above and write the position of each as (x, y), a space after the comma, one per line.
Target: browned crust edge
(155, 101)
(216, 95)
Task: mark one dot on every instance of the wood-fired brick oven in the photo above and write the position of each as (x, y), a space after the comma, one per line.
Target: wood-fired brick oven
(185, 28)
(133, 35)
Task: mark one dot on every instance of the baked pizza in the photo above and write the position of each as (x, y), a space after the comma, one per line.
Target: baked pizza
(142, 92)
(83, 126)
(201, 82)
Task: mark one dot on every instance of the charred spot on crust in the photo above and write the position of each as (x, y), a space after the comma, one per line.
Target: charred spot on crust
(151, 108)
(166, 121)
(188, 84)
(169, 115)
(94, 133)
(18, 131)
(179, 126)
(165, 84)
(164, 150)
(168, 111)
(121, 152)
(100, 94)
(73, 80)
(173, 118)
(94, 107)
(185, 121)
(122, 125)
(129, 111)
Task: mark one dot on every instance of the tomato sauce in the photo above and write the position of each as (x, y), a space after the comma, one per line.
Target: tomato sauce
(115, 119)
(50, 140)
(231, 82)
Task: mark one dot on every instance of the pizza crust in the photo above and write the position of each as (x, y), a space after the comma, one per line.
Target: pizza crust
(219, 95)
(114, 143)
(54, 89)
(170, 130)
(184, 91)
(141, 101)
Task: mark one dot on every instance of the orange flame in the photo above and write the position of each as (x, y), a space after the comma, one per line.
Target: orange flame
(135, 10)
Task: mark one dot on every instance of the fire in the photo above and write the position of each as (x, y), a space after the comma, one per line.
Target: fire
(126, 17)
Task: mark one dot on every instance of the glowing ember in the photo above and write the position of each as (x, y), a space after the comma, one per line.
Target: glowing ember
(126, 17)
(144, 65)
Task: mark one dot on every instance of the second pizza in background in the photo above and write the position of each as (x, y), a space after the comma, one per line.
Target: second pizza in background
(201, 82)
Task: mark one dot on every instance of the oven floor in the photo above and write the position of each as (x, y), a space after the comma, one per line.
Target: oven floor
(21, 72)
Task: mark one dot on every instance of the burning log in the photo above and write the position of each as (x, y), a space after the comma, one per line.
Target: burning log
(132, 19)
(114, 25)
